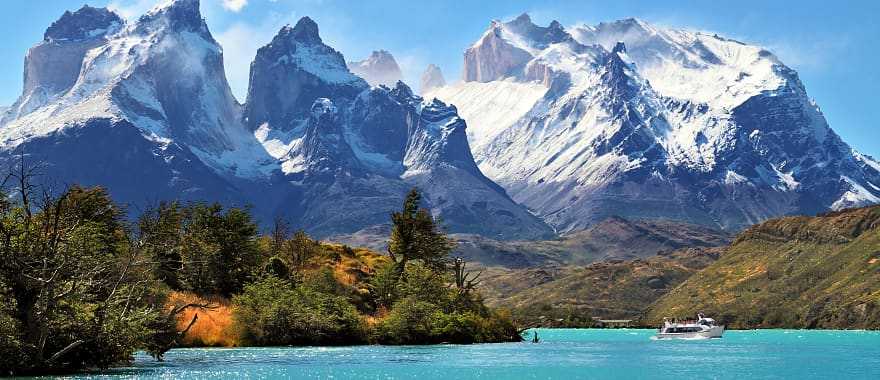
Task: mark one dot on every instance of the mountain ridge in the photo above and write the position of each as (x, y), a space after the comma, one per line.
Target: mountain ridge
(646, 122)
(313, 143)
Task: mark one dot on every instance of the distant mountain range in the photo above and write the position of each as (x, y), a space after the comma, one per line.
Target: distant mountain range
(575, 126)
(630, 119)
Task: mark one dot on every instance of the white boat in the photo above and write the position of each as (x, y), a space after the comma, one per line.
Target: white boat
(701, 328)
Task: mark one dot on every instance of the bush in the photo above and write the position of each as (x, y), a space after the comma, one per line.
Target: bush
(411, 321)
(273, 312)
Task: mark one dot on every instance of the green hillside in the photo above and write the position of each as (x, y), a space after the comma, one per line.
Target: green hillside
(570, 296)
(798, 272)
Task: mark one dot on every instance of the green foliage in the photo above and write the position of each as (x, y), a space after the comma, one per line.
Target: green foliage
(384, 284)
(76, 293)
(81, 288)
(427, 305)
(423, 284)
(410, 321)
(416, 236)
(414, 321)
(274, 312)
(161, 235)
(202, 248)
(792, 272)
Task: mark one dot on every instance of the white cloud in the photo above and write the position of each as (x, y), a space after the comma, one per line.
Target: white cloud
(131, 9)
(234, 5)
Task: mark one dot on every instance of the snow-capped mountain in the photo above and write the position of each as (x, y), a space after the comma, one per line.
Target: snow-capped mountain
(148, 114)
(379, 68)
(431, 79)
(630, 119)
(51, 67)
(353, 149)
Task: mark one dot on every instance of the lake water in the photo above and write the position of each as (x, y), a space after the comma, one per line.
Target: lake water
(561, 354)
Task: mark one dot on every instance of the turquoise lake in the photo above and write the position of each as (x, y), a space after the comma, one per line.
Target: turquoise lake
(561, 354)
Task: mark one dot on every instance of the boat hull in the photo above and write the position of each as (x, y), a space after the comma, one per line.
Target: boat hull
(713, 332)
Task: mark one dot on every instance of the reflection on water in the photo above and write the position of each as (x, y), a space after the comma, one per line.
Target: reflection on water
(562, 354)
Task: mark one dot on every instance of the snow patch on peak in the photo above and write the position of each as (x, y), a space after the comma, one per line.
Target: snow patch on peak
(689, 65)
(302, 48)
(323, 106)
(856, 196)
(490, 108)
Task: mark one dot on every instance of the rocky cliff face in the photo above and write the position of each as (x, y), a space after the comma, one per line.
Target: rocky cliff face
(354, 150)
(431, 79)
(379, 68)
(628, 119)
(148, 113)
(52, 66)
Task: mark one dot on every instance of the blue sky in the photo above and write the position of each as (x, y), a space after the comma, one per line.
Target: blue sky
(834, 47)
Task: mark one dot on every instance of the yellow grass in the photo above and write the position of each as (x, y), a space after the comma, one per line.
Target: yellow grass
(214, 326)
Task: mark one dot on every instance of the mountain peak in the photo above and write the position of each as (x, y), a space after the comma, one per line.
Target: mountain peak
(401, 90)
(633, 22)
(539, 36)
(431, 78)
(305, 31)
(85, 23)
(176, 14)
(619, 47)
(523, 19)
(379, 68)
(381, 55)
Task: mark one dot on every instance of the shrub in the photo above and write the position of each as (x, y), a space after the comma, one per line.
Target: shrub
(274, 312)
(411, 321)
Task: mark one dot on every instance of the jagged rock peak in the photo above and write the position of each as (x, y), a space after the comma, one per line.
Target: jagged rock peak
(523, 19)
(540, 36)
(401, 91)
(380, 55)
(431, 78)
(85, 23)
(305, 31)
(302, 46)
(619, 47)
(178, 15)
(379, 68)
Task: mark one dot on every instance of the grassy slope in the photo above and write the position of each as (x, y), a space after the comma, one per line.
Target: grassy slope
(821, 272)
(611, 289)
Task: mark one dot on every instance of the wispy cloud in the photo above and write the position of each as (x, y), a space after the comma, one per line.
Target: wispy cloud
(131, 9)
(412, 63)
(234, 5)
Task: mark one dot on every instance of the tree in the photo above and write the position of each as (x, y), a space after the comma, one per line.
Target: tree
(416, 236)
(161, 232)
(201, 247)
(77, 292)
